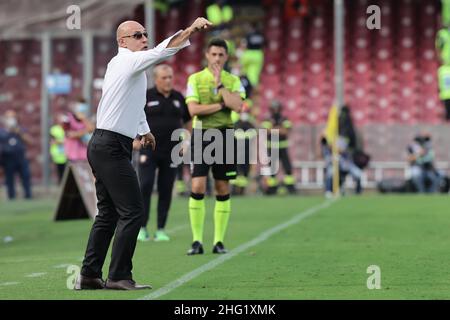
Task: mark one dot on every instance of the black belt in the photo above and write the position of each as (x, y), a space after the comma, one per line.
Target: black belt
(102, 132)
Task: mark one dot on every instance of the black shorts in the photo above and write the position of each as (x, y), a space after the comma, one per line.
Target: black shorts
(223, 169)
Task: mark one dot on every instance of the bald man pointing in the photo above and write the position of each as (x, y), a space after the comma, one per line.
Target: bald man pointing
(120, 119)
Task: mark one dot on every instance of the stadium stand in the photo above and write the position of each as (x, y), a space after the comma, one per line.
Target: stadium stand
(390, 74)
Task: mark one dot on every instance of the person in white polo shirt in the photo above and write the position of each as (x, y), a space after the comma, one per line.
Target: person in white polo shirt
(120, 119)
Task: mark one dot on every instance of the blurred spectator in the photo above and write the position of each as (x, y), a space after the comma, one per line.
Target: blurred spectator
(161, 6)
(347, 146)
(346, 166)
(444, 88)
(57, 145)
(445, 12)
(247, 86)
(443, 45)
(237, 71)
(278, 122)
(245, 137)
(346, 129)
(78, 130)
(421, 158)
(180, 185)
(13, 141)
(327, 156)
(3, 135)
(166, 111)
(352, 159)
(226, 35)
(240, 49)
(295, 8)
(252, 59)
(220, 14)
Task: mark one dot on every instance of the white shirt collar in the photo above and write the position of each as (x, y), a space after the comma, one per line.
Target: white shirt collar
(124, 50)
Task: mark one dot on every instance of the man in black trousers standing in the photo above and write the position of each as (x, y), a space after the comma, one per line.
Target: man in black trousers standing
(166, 112)
(120, 118)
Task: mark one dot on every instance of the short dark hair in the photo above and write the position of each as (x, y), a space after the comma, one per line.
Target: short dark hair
(217, 42)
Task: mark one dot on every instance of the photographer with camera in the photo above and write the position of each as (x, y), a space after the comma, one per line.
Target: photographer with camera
(421, 156)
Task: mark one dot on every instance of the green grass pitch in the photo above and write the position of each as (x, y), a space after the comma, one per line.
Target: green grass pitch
(323, 256)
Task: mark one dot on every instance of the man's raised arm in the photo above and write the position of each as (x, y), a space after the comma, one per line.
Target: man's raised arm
(169, 47)
(180, 38)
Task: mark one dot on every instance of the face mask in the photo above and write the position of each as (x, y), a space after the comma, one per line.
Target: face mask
(10, 122)
(245, 116)
(82, 108)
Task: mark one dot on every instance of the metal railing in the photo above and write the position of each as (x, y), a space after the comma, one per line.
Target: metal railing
(310, 174)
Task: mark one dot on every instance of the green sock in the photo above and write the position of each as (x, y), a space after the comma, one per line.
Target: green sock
(222, 212)
(197, 216)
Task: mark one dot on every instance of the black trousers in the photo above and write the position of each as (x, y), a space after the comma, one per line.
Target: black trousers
(120, 206)
(166, 179)
(60, 168)
(17, 164)
(285, 161)
(180, 172)
(243, 169)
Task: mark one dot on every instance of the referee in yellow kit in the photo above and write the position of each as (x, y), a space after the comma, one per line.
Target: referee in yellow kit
(211, 96)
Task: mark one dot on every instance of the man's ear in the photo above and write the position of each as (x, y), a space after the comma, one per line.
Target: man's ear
(121, 43)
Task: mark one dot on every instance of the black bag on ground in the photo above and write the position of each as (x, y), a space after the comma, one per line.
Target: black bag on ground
(444, 186)
(396, 185)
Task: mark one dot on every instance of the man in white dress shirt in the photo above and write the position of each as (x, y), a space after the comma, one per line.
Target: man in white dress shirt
(120, 119)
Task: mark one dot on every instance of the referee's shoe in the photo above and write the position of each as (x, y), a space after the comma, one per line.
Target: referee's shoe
(219, 248)
(197, 248)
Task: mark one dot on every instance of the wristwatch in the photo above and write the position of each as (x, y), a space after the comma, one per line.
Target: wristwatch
(223, 106)
(220, 86)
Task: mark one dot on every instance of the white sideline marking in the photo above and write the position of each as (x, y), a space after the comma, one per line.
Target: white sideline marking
(8, 284)
(36, 274)
(214, 263)
(62, 266)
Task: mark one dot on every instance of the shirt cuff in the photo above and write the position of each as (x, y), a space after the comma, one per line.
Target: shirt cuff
(143, 129)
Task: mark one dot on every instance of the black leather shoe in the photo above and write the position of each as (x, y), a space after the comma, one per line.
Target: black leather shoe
(125, 285)
(86, 283)
(197, 248)
(219, 248)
